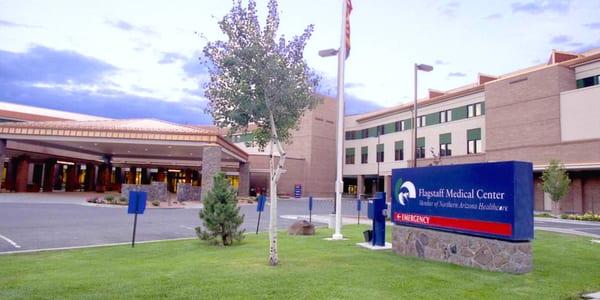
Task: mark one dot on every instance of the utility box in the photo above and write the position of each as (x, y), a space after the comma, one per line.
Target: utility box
(377, 211)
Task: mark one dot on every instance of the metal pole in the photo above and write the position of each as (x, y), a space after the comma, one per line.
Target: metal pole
(415, 123)
(340, 129)
(258, 223)
(134, 225)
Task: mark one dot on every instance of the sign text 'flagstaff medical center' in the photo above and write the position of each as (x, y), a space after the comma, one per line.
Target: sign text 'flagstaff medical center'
(486, 199)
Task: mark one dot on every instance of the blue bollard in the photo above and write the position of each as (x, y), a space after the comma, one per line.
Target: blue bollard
(377, 212)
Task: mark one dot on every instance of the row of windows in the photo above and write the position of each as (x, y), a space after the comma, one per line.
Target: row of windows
(588, 81)
(459, 113)
(445, 148)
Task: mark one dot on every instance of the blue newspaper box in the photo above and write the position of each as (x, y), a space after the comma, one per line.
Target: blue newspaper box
(137, 202)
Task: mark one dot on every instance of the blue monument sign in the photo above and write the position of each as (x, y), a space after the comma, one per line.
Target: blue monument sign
(485, 199)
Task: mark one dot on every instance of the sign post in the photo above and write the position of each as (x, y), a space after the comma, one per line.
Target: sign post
(260, 206)
(137, 205)
(358, 207)
(310, 207)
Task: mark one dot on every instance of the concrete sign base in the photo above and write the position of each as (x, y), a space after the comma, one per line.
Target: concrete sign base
(471, 251)
(369, 245)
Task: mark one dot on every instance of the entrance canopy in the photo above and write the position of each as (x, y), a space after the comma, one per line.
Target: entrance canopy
(125, 142)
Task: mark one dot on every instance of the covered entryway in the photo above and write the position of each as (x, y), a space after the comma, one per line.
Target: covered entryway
(107, 155)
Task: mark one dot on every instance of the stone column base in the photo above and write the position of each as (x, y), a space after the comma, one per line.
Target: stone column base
(477, 252)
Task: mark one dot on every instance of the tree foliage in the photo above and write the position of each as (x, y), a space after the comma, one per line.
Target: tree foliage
(555, 180)
(254, 74)
(221, 216)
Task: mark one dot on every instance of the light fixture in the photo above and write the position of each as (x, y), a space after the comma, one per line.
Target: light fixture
(174, 171)
(65, 162)
(328, 52)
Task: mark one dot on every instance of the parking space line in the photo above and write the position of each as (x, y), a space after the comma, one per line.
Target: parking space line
(10, 241)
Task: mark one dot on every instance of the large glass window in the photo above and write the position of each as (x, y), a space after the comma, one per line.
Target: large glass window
(445, 144)
(445, 116)
(420, 147)
(588, 81)
(399, 150)
(420, 121)
(380, 152)
(399, 126)
(474, 141)
(364, 155)
(474, 110)
(349, 156)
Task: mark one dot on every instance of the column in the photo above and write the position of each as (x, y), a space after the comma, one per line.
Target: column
(2, 158)
(188, 176)
(160, 176)
(71, 184)
(103, 178)
(211, 165)
(577, 190)
(11, 173)
(49, 175)
(145, 178)
(387, 187)
(90, 177)
(22, 174)
(244, 189)
(360, 186)
(132, 175)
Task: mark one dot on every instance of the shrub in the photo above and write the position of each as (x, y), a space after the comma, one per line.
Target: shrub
(588, 216)
(123, 200)
(221, 215)
(156, 203)
(109, 199)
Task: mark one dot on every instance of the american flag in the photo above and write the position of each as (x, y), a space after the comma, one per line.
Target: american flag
(348, 11)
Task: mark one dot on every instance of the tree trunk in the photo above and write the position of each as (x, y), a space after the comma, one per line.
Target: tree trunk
(275, 174)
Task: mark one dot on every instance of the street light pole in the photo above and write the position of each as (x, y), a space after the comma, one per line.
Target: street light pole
(425, 68)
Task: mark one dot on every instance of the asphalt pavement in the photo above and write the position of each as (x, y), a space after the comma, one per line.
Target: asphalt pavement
(60, 220)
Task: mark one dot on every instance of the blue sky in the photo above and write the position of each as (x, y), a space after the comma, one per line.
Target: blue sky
(139, 58)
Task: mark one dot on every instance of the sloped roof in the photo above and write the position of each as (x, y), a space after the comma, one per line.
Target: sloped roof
(139, 129)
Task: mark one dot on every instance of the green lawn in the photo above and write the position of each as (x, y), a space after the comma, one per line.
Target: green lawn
(564, 266)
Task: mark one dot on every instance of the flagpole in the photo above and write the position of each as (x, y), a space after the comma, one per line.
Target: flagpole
(339, 183)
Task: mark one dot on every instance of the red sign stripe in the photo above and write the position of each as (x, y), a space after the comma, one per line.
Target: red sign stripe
(488, 227)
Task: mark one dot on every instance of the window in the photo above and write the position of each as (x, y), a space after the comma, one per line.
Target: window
(365, 133)
(420, 147)
(420, 121)
(349, 156)
(350, 135)
(380, 130)
(445, 144)
(474, 141)
(445, 116)
(474, 110)
(364, 155)
(399, 150)
(380, 152)
(588, 81)
(399, 126)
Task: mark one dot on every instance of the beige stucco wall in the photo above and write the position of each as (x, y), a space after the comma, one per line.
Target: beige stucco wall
(580, 114)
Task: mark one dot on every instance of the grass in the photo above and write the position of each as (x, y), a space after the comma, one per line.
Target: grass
(564, 267)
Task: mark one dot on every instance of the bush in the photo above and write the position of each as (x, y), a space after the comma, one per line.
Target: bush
(109, 199)
(156, 203)
(588, 216)
(123, 200)
(221, 215)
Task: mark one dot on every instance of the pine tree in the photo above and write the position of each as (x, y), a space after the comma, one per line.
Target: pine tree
(221, 216)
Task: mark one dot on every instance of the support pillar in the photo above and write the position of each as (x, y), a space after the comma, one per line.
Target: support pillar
(71, 184)
(103, 178)
(160, 176)
(188, 176)
(244, 188)
(387, 187)
(145, 178)
(132, 175)
(90, 177)
(22, 174)
(211, 165)
(577, 192)
(11, 174)
(2, 158)
(360, 186)
(49, 175)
